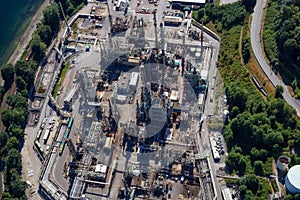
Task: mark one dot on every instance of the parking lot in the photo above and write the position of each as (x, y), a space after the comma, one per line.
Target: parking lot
(45, 135)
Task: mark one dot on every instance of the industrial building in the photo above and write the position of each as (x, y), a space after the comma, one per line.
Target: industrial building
(189, 2)
(214, 148)
(172, 20)
(292, 180)
(136, 122)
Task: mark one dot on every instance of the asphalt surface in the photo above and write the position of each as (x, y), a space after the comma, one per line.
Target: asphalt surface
(30, 162)
(257, 50)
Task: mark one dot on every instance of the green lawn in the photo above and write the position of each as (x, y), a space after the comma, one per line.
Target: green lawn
(61, 78)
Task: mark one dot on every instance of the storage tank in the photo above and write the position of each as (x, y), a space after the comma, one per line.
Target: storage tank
(292, 180)
(282, 163)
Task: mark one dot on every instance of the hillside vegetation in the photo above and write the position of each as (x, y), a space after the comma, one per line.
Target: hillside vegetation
(258, 130)
(281, 36)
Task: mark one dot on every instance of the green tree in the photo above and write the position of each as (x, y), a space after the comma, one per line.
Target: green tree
(45, 33)
(282, 111)
(292, 197)
(273, 138)
(12, 143)
(236, 162)
(3, 138)
(259, 168)
(243, 189)
(13, 159)
(252, 182)
(278, 91)
(242, 164)
(259, 154)
(21, 83)
(294, 84)
(8, 74)
(11, 175)
(234, 112)
(24, 93)
(295, 160)
(70, 6)
(290, 44)
(15, 131)
(249, 196)
(246, 49)
(26, 70)
(38, 48)
(14, 116)
(237, 96)
(17, 189)
(51, 17)
(249, 4)
(17, 101)
(6, 196)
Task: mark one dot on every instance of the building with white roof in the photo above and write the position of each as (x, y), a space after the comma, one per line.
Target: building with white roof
(190, 2)
(134, 81)
(174, 95)
(204, 75)
(100, 168)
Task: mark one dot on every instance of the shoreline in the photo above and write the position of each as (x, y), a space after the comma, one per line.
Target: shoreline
(27, 34)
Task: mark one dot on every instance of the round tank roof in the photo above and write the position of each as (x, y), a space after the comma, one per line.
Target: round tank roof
(293, 177)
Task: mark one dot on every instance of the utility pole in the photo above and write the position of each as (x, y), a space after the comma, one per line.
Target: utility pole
(163, 56)
(155, 28)
(62, 10)
(183, 55)
(109, 18)
(201, 37)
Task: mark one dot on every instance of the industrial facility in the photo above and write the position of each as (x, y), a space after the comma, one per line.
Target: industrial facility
(126, 120)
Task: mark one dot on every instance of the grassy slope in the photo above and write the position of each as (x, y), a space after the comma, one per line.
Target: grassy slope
(61, 78)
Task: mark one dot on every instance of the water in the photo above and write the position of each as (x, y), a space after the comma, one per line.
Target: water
(15, 16)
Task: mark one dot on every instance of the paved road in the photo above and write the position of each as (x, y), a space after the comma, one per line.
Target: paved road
(257, 49)
(58, 173)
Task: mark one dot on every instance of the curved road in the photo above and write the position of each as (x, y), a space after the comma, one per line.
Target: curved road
(257, 50)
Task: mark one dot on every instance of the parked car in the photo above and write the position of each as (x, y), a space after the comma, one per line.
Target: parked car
(52, 121)
(168, 5)
(42, 126)
(45, 120)
(48, 147)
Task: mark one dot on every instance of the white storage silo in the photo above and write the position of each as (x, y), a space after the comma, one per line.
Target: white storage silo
(292, 180)
(282, 163)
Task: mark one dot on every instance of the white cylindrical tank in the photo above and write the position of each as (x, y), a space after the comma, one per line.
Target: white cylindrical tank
(282, 163)
(292, 180)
